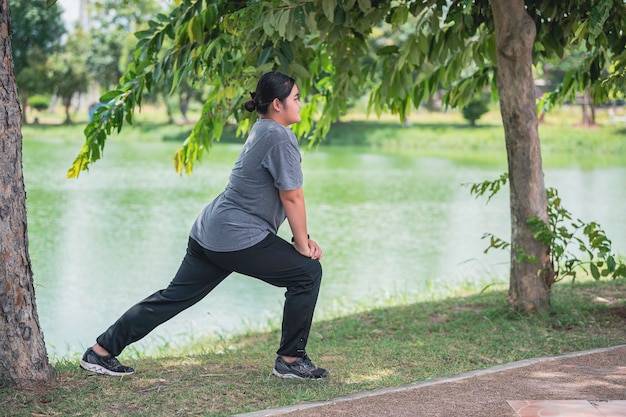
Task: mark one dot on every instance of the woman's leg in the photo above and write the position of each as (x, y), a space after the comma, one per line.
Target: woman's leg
(276, 262)
(195, 278)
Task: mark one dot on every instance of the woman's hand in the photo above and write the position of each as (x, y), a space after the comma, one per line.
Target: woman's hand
(293, 201)
(310, 250)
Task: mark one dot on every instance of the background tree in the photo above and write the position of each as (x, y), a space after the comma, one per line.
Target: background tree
(556, 71)
(106, 57)
(112, 39)
(68, 70)
(460, 46)
(23, 357)
(186, 94)
(36, 33)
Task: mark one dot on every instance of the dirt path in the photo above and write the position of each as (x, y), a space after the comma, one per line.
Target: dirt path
(596, 375)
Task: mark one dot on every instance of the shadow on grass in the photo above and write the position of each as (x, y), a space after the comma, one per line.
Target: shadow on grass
(359, 133)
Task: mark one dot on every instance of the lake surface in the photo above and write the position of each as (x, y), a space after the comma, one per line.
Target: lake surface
(393, 228)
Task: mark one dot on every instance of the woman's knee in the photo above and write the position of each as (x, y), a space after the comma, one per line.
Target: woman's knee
(314, 271)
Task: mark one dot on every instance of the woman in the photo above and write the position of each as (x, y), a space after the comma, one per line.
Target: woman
(237, 233)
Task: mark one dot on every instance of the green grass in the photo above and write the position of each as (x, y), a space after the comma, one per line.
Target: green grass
(379, 348)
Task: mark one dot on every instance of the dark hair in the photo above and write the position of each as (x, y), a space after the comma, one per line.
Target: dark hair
(271, 85)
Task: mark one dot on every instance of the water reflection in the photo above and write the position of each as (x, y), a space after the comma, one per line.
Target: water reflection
(389, 224)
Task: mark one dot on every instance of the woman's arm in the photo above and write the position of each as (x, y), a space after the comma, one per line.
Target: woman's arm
(293, 201)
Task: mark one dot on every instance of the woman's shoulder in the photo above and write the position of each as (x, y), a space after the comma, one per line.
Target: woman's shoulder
(273, 130)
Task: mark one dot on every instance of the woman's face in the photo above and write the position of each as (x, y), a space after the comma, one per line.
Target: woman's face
(290, 108)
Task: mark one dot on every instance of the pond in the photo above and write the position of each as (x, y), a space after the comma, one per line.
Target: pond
(394, 228)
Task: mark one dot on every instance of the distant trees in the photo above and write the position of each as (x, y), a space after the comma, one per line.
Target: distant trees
(49, 61)
(36, 34)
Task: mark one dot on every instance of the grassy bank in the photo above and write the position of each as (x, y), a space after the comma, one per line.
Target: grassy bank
(447, 135)
(376, 349)
(444, 134)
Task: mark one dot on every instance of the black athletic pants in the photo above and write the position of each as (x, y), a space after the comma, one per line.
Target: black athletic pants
(272, 260)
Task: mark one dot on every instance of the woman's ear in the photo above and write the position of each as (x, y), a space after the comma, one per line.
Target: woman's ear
(277, 105)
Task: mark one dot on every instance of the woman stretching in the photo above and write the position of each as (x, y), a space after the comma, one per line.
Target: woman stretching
(237, 232)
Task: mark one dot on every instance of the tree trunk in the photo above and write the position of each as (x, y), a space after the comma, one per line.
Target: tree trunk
(168, 109)
(67, 102)
(23, 357)
(532, 274)
(589, 111)
(183, 103)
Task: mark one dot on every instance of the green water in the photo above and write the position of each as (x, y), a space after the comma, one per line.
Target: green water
(391, 226)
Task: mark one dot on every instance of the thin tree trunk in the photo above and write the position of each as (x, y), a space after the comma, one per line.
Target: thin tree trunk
(530, 281)
(589, 112)
(67, 102)
(183, 103)
(23, 357)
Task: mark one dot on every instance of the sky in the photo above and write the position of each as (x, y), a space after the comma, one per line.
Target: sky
(70, 11)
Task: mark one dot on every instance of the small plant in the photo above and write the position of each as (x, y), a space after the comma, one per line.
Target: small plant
(563, 235)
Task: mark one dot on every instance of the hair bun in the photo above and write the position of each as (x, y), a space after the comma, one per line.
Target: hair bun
(249, 105)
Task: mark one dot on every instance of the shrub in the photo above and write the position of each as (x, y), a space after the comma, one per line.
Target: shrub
(39, 102)
(475, 109)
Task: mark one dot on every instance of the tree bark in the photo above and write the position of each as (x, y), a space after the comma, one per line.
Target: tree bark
(532, 274)
(23, 357)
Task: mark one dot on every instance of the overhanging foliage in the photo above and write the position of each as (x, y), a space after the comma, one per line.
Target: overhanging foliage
(324, 45)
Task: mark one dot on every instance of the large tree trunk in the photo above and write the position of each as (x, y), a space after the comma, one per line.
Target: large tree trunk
(23, 357)
(532, 275)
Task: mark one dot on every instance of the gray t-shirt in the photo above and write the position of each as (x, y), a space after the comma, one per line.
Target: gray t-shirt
(250, 207)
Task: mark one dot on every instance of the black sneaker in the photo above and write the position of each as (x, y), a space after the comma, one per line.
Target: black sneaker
(301, 368)
(106, 365)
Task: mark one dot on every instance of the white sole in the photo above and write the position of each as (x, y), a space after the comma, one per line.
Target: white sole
(286, 376)
(101, 370)
(293, 376)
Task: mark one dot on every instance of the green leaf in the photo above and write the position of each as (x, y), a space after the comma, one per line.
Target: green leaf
(387, 50)
(282, 23)
(599, 15)
(328, 7)
(594, 271)
(194, 30)
(268, 28)
(264, 56)
(106, 97)
(311, 22)
(299, 70)
(610, 263)
(399, 17)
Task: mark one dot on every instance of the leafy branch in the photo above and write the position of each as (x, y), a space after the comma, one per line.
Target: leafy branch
(574, 245)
